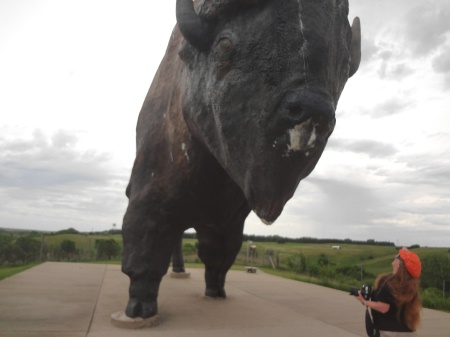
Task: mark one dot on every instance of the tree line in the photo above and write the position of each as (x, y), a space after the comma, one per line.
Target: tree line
(27, 248)
(281, 240)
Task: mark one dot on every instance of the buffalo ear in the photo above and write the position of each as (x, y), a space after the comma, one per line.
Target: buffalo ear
(355, 47)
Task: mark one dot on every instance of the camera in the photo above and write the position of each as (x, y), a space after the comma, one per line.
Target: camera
(366, 291)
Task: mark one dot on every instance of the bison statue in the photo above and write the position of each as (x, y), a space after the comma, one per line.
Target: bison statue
(239, 112)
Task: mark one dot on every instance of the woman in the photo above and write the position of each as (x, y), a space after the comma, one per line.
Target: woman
(395, 303)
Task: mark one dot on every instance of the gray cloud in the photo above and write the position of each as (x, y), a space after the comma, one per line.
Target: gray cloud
(44, 178)
(391, 63)
(402, 70)
(344, 203)
(386, 204)
(441, 63)
(427, 25)
(368, 50)
(371, 148)
(404, 31)
(39, 163)
(63, 139)
(390, 107)
(425, 169)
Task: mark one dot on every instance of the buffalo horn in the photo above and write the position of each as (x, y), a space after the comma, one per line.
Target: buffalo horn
(192, 27)
(355, 47)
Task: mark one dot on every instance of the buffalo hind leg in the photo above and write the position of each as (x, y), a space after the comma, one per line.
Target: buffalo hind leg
(146, 258)
(177, 257)
(218, 251)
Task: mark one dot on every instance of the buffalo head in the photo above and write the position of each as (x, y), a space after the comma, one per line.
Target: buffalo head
(265, 77)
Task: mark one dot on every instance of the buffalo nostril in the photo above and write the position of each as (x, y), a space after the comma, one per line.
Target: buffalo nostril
(300, 106)
(296, 110)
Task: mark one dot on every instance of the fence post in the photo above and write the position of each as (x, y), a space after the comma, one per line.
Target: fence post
(42, 248)
(443, 289)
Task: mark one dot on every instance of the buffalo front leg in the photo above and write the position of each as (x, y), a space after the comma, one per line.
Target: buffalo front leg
(147, 248)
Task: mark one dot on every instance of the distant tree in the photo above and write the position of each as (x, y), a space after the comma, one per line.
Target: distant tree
(8, 253)
(68, 231)
(113, 232)
(107, 248)
(29, 248)
(5, 239)
(68, 248)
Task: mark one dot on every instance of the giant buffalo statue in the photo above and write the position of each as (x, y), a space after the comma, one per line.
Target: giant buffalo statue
(238, 114)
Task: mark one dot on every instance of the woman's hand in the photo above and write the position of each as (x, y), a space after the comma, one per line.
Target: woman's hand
(360, 298)
(378, 306)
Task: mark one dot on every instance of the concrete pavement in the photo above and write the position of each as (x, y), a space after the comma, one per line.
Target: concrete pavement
(77, 300)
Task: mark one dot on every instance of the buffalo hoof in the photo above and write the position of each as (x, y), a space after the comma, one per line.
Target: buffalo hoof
(136, 308)
(178, 270)
(215, 292)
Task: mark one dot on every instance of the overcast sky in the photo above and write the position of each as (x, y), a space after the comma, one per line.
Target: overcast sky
(74, 73)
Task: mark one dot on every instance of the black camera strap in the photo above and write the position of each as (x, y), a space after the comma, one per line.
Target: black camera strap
(371, 329)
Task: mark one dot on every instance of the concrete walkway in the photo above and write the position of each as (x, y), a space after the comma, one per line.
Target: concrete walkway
(77, 300)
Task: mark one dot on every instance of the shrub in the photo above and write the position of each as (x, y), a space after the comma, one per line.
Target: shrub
(313, 270)
(435, 270)
(189, 248)
(327, 272)
(433, 298)
(354, 272)
(107, 248)
(297, 263)
(323, 260)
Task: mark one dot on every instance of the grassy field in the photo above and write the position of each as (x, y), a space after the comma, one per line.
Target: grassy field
(351, 265)
(374, 259)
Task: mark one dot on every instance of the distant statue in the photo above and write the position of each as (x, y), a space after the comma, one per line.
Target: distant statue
(238, 114)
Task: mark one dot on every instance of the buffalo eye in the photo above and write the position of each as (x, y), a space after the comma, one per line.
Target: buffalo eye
(225, 45)
(223, 55)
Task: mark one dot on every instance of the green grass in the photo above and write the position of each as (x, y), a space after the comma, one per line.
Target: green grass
(83, 242)
(10, 271)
